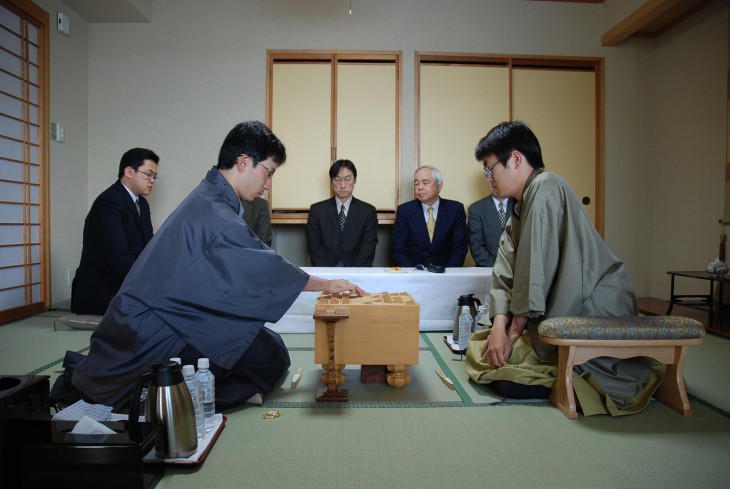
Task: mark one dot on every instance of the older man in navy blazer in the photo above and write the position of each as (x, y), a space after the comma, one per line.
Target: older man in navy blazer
(429, 230)
(342, 231)
(116, 231)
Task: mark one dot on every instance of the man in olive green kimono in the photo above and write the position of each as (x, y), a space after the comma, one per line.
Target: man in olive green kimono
(551, 262)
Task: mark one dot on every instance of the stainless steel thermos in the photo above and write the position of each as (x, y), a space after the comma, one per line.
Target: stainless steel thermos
(170, 407)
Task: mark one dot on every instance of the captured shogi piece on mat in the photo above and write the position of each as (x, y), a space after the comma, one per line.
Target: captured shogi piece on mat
(376, 329)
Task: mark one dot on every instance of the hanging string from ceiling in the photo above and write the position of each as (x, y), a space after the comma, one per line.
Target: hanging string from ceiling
(349, 12)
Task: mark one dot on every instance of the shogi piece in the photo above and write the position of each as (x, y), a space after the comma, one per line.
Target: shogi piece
(380, 329)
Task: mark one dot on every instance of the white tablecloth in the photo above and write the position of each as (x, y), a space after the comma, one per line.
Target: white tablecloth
(436, 293)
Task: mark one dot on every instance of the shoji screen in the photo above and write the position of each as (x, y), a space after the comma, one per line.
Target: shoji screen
(458, 105)
(560, 107)
(326, 106)
(462, 96)
(23, 160)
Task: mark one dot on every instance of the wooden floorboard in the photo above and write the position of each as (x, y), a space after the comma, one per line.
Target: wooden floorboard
(652, 306)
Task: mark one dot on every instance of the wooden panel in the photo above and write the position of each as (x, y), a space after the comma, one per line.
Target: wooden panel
(560, 107)
(652, 18)
(376, 333)
(458, 105)
(301, 115)
(366, 129)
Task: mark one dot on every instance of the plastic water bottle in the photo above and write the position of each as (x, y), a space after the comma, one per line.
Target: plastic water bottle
(481, 313)
(207, 386)
(197, 394)
(176, 360)
(465, 322)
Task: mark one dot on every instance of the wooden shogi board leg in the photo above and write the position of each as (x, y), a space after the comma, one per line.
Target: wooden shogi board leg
(397, 376)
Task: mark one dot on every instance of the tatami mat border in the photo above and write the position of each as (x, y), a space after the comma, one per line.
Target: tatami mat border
(466, 399)
(53, 364)
(421, 404)
(709, 405)
(445, 367)
(310, 348)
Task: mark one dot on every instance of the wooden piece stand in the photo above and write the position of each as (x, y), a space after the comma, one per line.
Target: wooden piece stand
(332, 393)
(377, 329)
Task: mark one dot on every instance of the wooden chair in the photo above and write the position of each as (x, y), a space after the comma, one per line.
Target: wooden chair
(664, 338)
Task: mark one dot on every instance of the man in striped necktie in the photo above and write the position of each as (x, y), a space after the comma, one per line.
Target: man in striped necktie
(487, 219)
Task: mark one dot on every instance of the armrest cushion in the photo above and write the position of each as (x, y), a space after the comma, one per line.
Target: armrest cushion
(622, 328)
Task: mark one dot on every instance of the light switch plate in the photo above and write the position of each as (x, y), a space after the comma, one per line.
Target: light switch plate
(57, 132)
(63, 24)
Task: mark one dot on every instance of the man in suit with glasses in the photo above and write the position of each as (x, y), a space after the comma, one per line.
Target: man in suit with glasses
(342, 231)
(116, 231)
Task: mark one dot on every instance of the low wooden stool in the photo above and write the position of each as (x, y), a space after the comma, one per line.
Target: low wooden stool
(580, 339)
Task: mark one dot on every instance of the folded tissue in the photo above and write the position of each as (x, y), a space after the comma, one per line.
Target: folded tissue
(88, 426)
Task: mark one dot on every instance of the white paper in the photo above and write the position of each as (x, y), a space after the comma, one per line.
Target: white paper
(88, 426)
(79, 409)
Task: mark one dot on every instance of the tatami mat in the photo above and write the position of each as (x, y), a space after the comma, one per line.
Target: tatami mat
(706, 373)
(501, 447)
(464, 437)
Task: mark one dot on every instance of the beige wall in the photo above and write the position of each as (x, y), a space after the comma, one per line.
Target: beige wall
(179, 83)
(688, 135)
(614, 11)
(69, 106)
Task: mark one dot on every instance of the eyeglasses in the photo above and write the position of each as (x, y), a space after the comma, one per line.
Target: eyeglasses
(149, 175)
(488, 170)
(270, 170)
(340, 179)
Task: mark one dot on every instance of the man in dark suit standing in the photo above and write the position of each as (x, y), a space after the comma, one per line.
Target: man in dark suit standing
(487, 218)
(256, 215)
(429, 230)
(342, 231)
(116, 231)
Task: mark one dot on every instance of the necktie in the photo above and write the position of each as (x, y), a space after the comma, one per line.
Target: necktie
(431, 223)
(502, 216)
(136, 203)
(343, 217)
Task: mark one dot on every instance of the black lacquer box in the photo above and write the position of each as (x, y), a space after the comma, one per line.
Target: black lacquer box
(38, 452)
(22, 397)
(47, 454)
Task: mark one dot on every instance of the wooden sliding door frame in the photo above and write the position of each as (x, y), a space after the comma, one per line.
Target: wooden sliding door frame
(512, 62)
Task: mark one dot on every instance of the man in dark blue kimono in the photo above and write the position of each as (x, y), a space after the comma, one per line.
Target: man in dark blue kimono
(204, 287)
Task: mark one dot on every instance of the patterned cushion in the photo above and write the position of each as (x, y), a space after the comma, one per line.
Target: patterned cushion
(622, 328)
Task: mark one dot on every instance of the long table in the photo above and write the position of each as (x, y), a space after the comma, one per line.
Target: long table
(436, 293)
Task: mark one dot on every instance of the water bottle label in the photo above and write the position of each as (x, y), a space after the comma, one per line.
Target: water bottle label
(208, 393)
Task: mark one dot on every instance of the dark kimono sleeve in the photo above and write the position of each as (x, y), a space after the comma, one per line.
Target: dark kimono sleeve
(222, 299)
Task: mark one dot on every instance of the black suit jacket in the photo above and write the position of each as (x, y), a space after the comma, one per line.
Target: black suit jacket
(114, 236)
(354, 245)
(485, 230)
(410, 242)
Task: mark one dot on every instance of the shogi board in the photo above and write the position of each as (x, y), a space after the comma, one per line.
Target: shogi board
(382, 329)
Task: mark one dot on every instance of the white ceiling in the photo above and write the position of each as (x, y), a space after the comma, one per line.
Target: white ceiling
(113, 11)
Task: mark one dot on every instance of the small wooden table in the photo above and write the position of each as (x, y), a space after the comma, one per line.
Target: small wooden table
(703, 302)
(377, 329)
